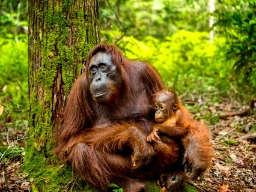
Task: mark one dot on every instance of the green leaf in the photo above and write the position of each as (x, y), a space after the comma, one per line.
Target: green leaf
(252, 22)
(113, 185)
(253, 129)
(231, 142)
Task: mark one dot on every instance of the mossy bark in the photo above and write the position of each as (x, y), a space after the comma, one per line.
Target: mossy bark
(61, 32)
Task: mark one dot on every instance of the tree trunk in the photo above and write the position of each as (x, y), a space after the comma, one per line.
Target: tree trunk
(61, 32)
(211, 5)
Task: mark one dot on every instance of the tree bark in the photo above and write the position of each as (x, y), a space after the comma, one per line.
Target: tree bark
(61, 32)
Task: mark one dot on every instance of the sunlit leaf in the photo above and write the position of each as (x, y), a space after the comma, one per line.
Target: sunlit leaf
(1, 109)
(233, 157)
(223, 169)
(223, 132)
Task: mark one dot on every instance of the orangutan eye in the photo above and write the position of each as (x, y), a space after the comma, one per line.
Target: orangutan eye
(93, 70)
(102, 66)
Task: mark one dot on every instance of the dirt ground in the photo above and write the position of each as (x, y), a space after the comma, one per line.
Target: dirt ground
(234, 167)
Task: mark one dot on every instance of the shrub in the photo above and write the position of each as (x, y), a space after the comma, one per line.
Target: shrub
(187, 60)
(13, 71)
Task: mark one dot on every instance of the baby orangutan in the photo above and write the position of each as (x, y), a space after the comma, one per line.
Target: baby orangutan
(168, 116)
(173, 121)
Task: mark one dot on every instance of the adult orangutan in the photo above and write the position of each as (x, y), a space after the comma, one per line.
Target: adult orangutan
(106, 120)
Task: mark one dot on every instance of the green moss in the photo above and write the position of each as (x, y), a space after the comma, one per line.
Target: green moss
(152, 186)
(51, 176)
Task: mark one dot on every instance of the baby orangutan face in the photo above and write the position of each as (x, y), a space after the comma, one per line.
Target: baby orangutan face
(165, 104)
(161, 113)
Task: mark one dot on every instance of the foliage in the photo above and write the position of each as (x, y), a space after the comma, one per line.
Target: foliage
(236, 20)
(186, 60)
(156, 18)
(13, 18)
(14, 87)
(11, 152)
(115, 187)
(14, 57)
(13, 70)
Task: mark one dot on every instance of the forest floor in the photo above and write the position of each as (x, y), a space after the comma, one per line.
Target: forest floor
(234, 167)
